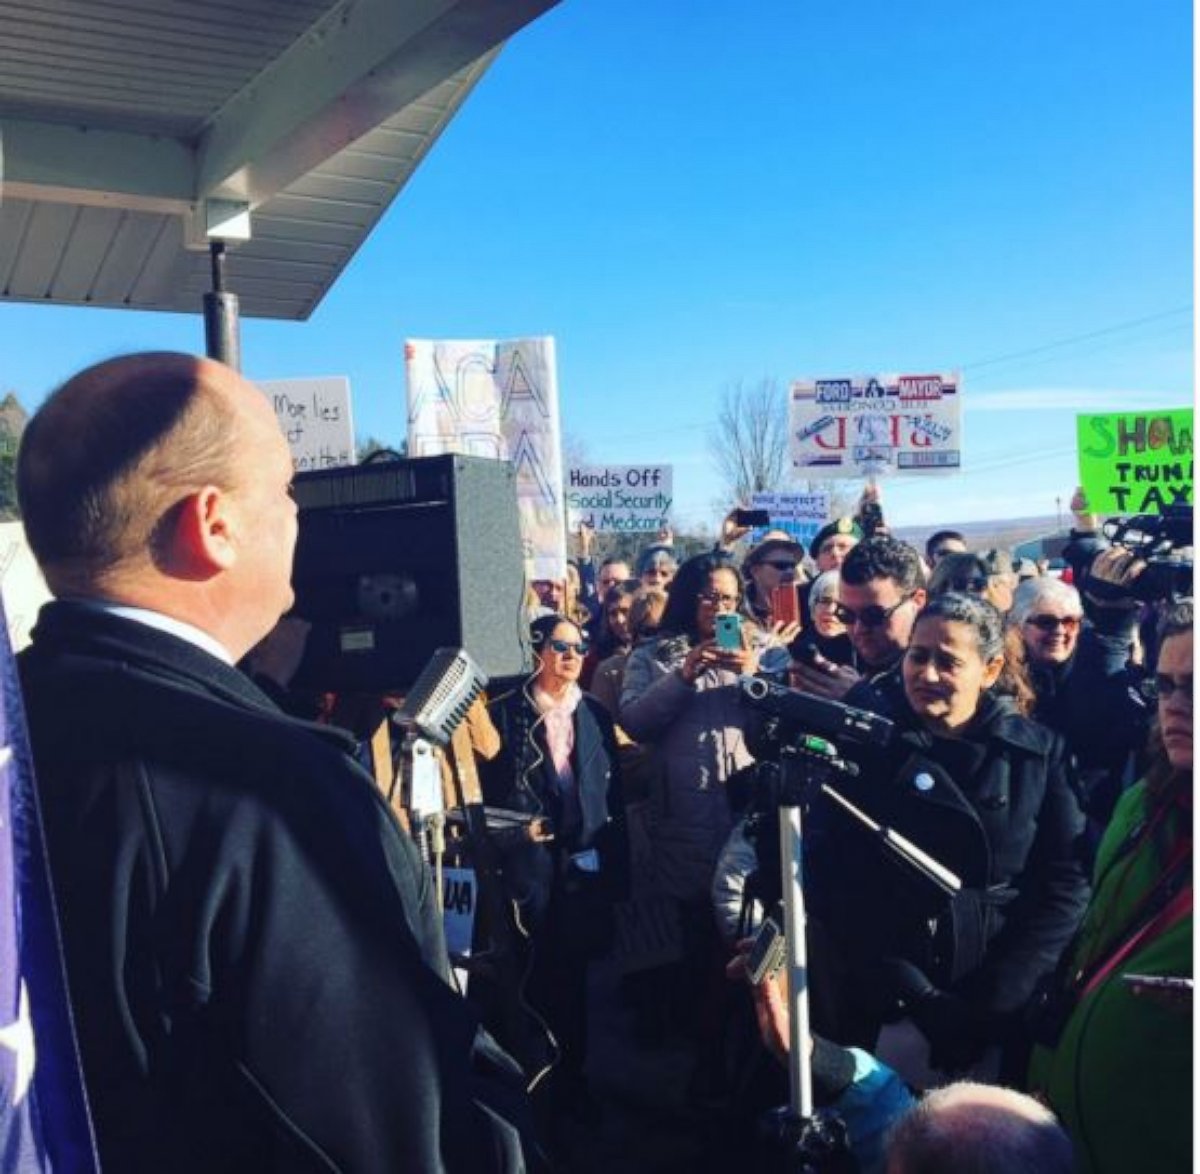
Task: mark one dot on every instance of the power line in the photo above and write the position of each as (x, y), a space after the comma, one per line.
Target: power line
(1049, 346)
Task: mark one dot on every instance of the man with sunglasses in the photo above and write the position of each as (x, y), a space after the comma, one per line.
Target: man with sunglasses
(881, 591)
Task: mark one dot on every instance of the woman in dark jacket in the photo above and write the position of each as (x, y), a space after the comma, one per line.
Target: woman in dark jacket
(985, 792)
(1086, 689)
(558, 763)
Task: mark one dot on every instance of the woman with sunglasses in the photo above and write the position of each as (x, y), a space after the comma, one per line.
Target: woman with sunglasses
(1086, 688)
(986, 793)
(1116, 1032)
(566, 870)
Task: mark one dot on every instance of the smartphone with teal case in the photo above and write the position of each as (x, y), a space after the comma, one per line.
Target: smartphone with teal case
(728, 626)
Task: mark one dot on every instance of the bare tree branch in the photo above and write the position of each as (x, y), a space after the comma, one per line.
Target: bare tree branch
(748, 443)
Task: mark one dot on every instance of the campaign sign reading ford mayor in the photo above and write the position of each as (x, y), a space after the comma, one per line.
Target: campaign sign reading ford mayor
(866, 425)
(621, 499)
(1136, 462)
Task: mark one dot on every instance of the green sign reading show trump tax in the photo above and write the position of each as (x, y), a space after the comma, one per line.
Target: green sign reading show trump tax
(1136, 462)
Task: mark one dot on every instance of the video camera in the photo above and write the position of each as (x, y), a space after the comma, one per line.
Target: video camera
(1159, 539)
(791, 714)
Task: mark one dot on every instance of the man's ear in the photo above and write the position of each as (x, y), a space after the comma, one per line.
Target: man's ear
(919, 596)
(991, 671)
(205, 532)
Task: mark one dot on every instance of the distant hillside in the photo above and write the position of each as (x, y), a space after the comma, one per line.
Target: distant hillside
(1003, 533)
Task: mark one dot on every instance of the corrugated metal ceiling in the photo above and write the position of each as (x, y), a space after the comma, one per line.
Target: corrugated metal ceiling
(120, 118)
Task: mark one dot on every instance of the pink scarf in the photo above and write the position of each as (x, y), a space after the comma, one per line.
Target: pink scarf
(559, 719)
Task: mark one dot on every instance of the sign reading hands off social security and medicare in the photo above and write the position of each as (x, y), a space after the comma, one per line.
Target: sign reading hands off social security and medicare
(315, 417)
(1136, 462)
(619, 499)
(866, 425)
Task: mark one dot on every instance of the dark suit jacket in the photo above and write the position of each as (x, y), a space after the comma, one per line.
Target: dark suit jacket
(252, 946)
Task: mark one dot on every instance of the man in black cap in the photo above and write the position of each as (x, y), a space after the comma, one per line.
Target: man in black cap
(834, 541)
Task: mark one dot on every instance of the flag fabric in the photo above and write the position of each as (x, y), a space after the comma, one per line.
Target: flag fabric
(44, 1122)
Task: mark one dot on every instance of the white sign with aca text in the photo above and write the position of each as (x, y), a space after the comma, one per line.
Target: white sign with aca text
(315, 417)
(619, 499)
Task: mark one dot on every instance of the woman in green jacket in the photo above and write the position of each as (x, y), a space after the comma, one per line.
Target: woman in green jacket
(1116, 1060)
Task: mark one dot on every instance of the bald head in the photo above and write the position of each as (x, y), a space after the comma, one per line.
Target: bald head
(107, 457)
(968, 1128)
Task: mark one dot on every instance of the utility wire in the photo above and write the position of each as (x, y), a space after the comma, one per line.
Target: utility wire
(1049, 346)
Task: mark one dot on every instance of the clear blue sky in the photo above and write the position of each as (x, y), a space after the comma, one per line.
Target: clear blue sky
(690, 193)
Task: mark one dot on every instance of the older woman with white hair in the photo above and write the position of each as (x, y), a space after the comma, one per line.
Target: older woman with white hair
(825, 634)
(1086, 689)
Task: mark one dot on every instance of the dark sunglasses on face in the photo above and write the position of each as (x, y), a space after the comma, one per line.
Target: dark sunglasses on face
(781, 565)
(873, 616)
(1050, 623)
(1166, 687)
(562, 646)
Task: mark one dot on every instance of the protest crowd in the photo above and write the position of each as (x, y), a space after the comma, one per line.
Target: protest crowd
(252, 937)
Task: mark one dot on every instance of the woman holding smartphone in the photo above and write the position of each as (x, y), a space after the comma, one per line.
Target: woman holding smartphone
(681, 697)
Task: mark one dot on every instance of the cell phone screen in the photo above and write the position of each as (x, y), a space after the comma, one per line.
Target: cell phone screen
(785, 604)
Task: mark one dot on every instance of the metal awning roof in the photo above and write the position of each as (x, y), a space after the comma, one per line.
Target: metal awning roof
(129, 127)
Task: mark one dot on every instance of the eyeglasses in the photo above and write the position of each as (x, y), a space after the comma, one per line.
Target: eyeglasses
(563, 646)
(1167, 687)
(782, 565)
(873, 616)
(1050, 623)
(717, 599)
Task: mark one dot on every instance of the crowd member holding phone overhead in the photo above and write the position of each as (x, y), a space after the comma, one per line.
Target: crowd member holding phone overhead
(986, 793)
(1115, 1027)
(681, 697)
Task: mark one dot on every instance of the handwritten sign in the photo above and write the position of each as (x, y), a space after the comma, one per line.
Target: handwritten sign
(866, 425)
(498, 400)
(1136, 462)
(799, 514)
(21, 583)
(619, 499)
(315, 417)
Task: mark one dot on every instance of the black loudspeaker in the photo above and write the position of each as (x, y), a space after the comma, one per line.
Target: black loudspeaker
(396, 559)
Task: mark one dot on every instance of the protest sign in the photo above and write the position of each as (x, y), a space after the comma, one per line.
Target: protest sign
(1136, 462)
(315, 417)
(800, 514)
(867, 425)
(496, 399)
(619, 499)
(21, 583)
